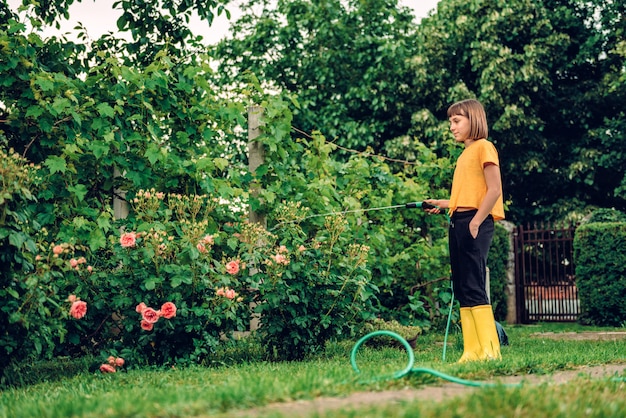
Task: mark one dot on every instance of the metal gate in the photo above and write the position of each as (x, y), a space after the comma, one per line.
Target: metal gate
(545, 275)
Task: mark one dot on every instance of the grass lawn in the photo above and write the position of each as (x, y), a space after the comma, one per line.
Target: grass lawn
(239, 385)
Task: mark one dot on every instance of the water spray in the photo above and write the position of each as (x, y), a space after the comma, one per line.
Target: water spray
(410, 205)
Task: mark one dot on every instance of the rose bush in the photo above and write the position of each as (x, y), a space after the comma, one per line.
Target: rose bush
(313, 289)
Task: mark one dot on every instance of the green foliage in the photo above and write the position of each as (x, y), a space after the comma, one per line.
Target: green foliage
(109, 119)
(535, 65)
(347, 61)
(17, 243)
(498, 268)
(606, 215)
(313, 290)
(175, 249)
(168, 22)
(601, 272)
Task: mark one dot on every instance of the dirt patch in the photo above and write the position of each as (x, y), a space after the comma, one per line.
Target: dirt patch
(447, 390)
(582, 336)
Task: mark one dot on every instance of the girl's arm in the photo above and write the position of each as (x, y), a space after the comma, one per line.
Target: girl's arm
(494, 190)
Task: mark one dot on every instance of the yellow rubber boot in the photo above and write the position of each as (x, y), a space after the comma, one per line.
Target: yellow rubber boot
(471, 345)
(487, 332)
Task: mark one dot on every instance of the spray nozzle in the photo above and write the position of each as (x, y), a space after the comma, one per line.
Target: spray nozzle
(419, 205)
(422, 205)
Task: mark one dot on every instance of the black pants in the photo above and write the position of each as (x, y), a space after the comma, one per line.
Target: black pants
(468, 258)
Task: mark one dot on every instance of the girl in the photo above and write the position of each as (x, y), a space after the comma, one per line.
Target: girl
(475, 203)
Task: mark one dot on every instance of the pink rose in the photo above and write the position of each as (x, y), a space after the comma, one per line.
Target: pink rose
(71, 298)
(168, 310)
(281, 259)
(73, 262)
(57, 250)
(208, 239)
(201, 248)
(150, 315)
(301, 248)
(220, 292)
(230, 294)
(89, 269)
(140, 308)
(111, 360)
(232, 267)
(146, 326)
(78, 309)
(107, 368)
(119, 362)
(128, 239)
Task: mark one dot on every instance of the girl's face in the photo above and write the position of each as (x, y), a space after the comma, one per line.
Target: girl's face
(460, 127)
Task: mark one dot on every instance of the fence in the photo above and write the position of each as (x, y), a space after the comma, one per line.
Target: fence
(545, 274)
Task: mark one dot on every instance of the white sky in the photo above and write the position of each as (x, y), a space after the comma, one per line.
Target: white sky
(98, 17)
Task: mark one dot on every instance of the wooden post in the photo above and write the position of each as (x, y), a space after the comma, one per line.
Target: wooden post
(256, 157)
(120, 205)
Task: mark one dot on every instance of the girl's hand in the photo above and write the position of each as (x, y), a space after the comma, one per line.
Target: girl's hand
(473, 229)
(438, 206)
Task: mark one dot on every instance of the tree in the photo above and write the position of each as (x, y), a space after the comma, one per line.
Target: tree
(346, 60)
(548, 74)
(151, 24)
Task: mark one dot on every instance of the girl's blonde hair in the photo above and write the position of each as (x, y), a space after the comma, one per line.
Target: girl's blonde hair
(475, 112)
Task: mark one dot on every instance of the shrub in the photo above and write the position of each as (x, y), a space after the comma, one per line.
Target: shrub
(177, 280)
(313, 289)
(601, 272)
(606, 215)
(19, 295)
(498, 265)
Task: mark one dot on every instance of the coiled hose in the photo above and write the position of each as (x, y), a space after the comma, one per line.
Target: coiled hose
(424, 370)
(411, 362)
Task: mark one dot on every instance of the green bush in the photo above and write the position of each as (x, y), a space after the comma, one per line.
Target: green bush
(498, 265)
(19, 294)
(313, 290)
(601, 272)
(178, 279)
(606, 215)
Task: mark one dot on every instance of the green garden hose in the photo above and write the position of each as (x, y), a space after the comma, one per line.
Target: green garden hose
(411, 361)
(423, 370)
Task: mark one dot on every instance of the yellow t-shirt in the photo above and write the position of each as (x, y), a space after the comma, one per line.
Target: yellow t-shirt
(468, 183)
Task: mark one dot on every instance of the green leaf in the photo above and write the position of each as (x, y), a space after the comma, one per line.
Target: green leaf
(220, 163)
(44, 84)
(153, 153)
(34, 111)
(17, 239)
(150, 284)
(105, 110)
(78, 190)
(98, 148)
(97, 240)
(56, 164)
(60, 104)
